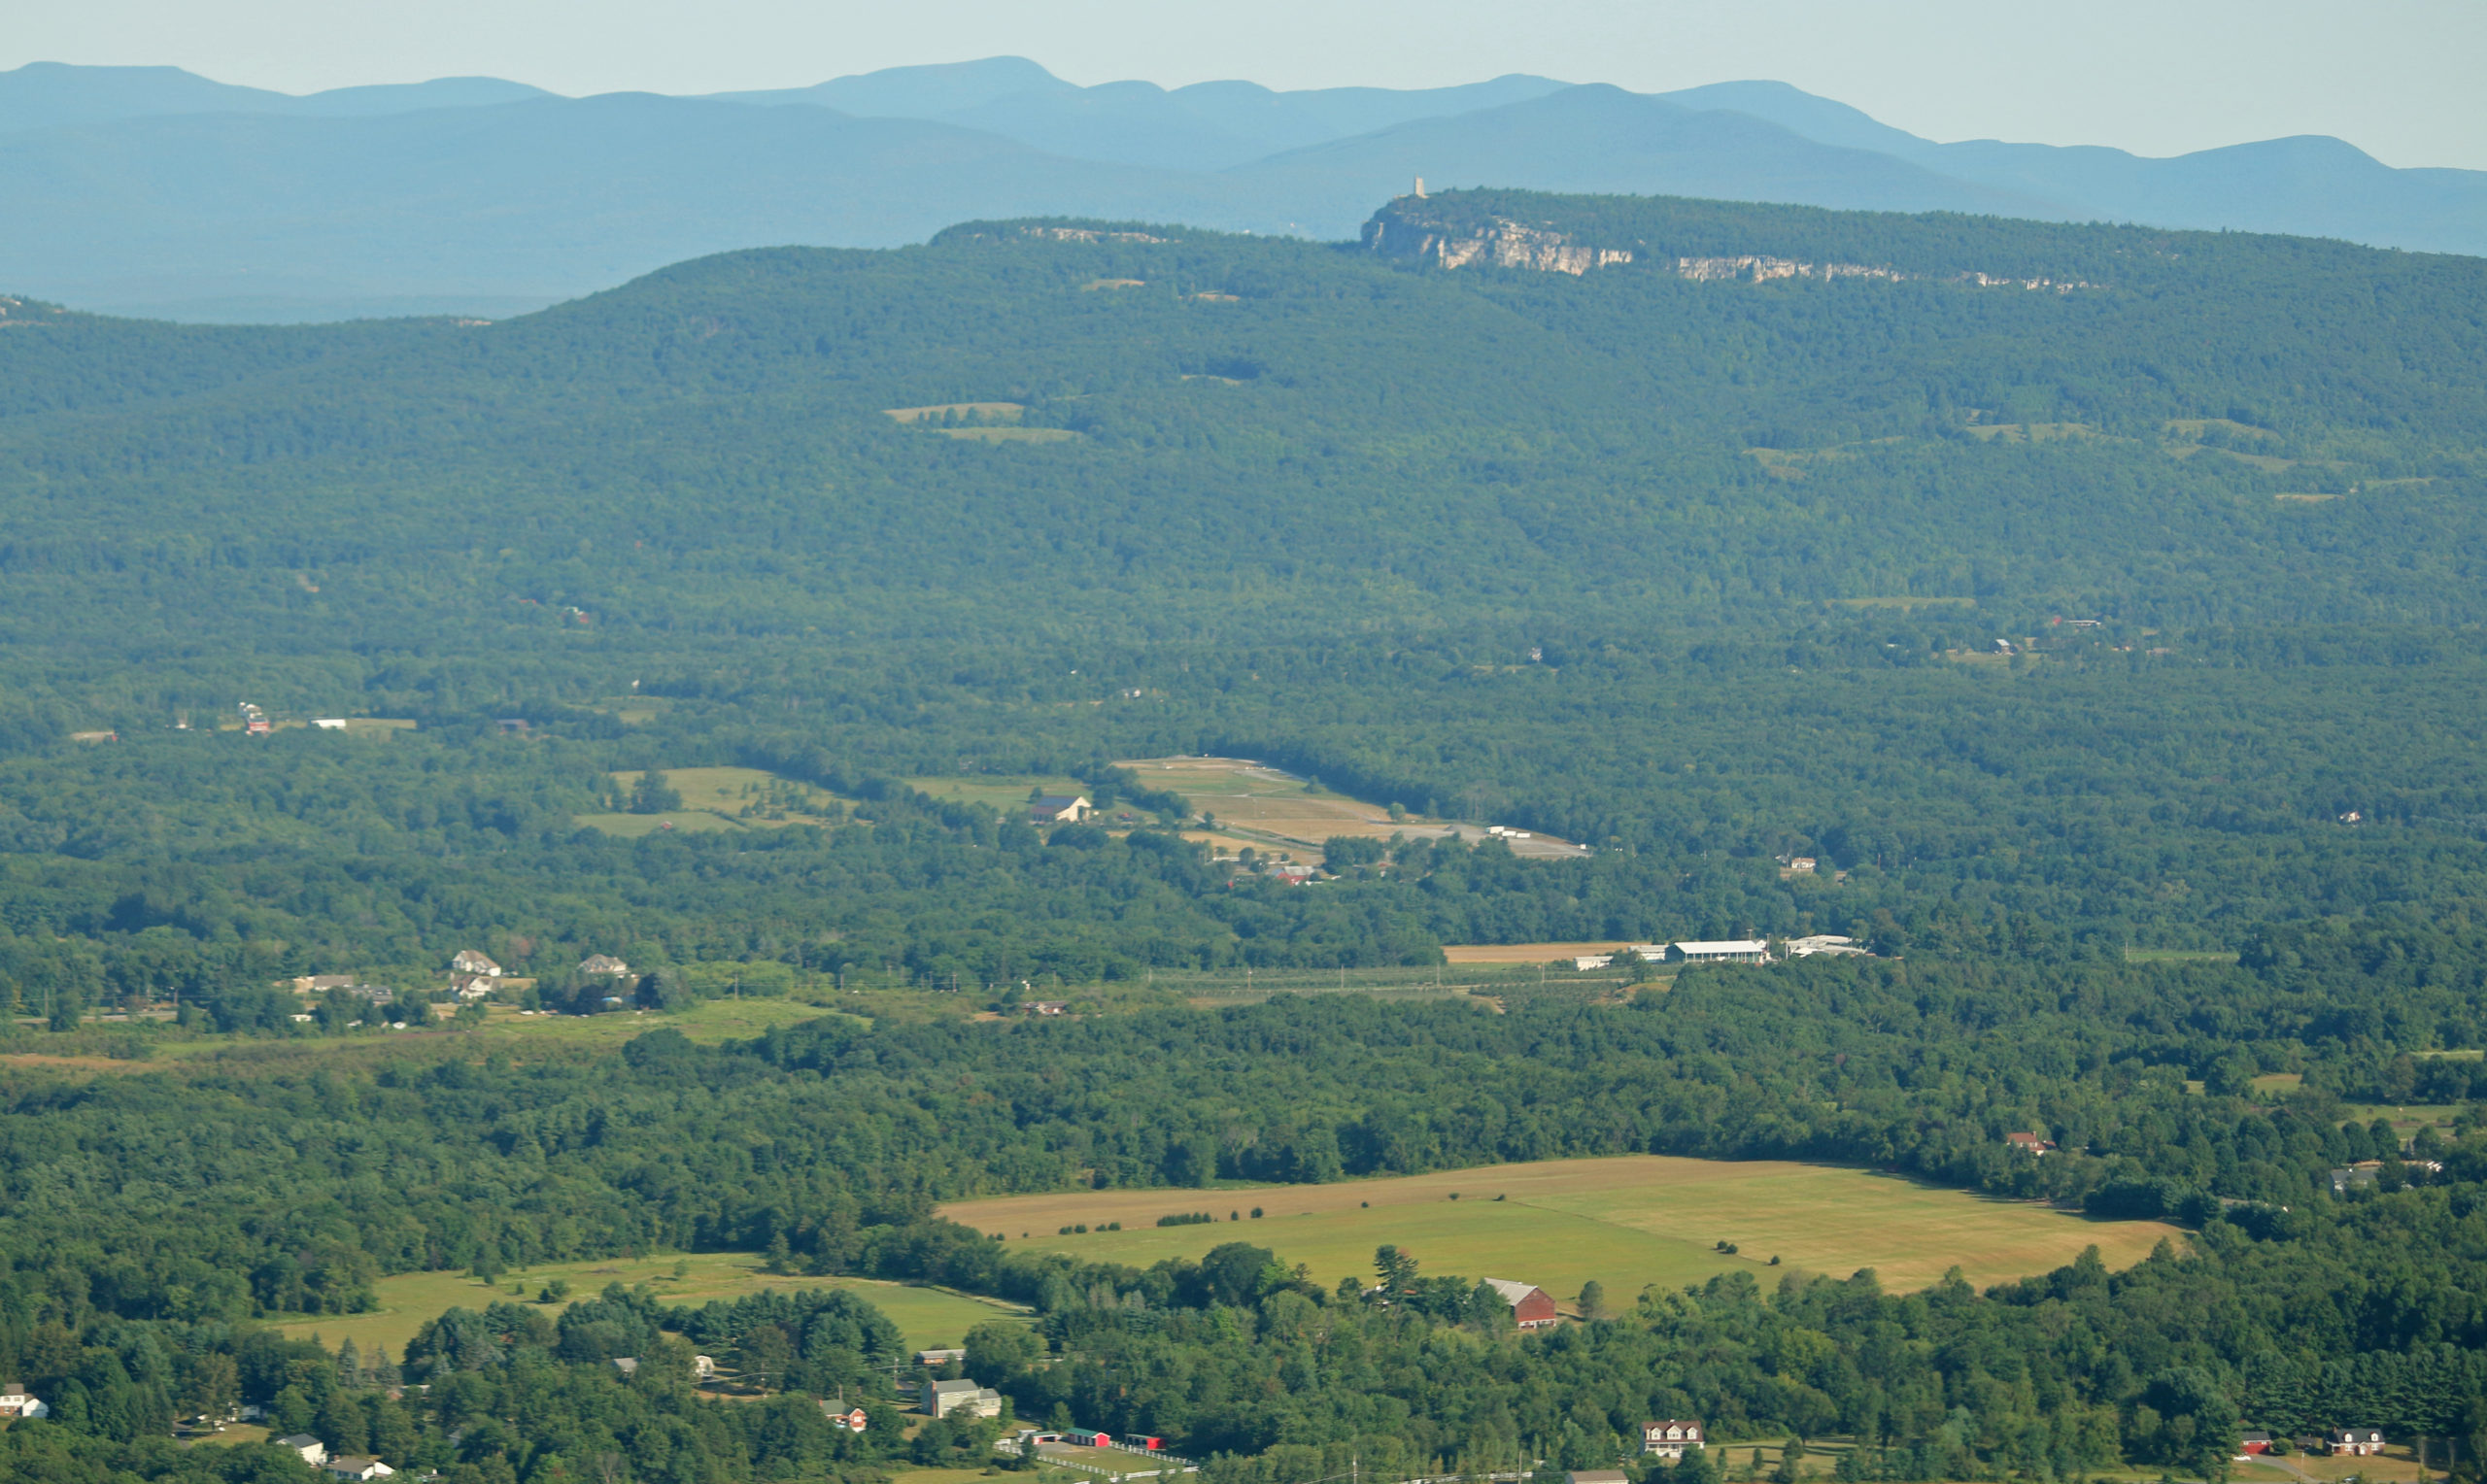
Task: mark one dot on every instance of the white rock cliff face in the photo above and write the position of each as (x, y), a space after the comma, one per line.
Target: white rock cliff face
(1504, 245)
(1401, 230)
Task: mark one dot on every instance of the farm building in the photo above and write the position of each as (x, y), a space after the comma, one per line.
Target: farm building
(852, 1420)
(1587, 961)
(1532, 1308)
(1834, 944)
(2252, 1442)
(470, 962)
(1728, 951)
(2356, 1442)
(1082, 1437)
(602, 963)
(1669, 1438)
(1059, 809)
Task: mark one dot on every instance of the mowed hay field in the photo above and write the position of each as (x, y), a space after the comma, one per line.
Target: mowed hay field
(1524, 953)
(1004, 793)
(1254, 796)
(1626, 1221)
(932, 1318)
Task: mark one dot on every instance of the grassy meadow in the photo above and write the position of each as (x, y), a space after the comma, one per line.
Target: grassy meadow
(721, 799)
(931, 1317)
(1626, 1221)
(1004, 793)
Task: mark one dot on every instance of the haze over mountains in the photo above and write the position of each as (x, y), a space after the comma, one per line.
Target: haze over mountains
(152, 190)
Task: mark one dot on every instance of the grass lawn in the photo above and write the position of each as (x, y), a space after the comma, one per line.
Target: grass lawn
(941, 1476)
(1626, 1221)
(931, 1317)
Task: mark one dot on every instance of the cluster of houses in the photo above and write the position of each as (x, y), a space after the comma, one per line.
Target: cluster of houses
(338, 1466)
(2340, 1443)
(472, 976)
(1728, 951)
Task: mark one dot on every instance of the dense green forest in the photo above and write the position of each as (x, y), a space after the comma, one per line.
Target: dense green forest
(2057, 625)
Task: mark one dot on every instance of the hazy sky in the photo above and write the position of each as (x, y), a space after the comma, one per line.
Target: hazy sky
(2400, 78)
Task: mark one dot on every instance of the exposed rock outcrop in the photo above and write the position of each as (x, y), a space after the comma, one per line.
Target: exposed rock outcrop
(1758, 269)
(1500, 243)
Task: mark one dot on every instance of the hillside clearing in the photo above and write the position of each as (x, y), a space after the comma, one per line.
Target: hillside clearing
(931, 1317)
(1626, 1220)
(721, 799)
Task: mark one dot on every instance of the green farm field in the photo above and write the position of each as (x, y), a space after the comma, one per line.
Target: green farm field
(1005, 793)
(929, 1317)
(504, 1030)
(721, 799)
(1626, 1221)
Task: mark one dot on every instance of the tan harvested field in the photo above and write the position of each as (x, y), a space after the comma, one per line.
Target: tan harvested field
(1626, 1221)
(1256, 799)
(34, 1059)
(1261, 806)
(1524, 953)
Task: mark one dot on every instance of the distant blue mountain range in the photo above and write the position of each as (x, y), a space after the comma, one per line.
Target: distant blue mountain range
(153, 191)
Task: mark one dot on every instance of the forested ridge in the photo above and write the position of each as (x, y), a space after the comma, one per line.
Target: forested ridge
(2060, 628)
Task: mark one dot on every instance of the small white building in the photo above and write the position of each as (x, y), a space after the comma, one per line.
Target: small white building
(705, 1366)
(472, 987)
(314, 1452)
(16, 1402)
(1587, 961)
(350, 1465)
(470, 962)
(1834, 944)
(602, 963)
(1725, 951)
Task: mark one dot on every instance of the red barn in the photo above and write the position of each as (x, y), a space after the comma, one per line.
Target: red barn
(1532, 1308)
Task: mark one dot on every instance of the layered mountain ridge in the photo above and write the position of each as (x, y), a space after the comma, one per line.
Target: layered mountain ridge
(156, 191)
